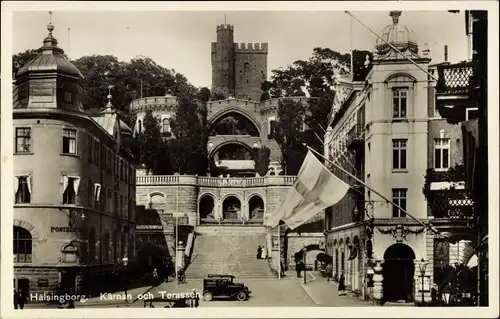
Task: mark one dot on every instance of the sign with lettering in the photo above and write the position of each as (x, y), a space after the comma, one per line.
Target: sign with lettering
(65, 229)
(43, 282)
(148, 227)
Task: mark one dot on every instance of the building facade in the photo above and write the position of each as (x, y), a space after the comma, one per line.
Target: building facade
(74, 184)
(386, 132)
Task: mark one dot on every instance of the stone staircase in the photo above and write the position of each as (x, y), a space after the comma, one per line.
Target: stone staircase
(228, 249)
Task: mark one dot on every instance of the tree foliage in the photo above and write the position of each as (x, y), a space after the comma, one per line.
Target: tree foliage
(317, 76)
(151, 143)
(20, 59)
(261, 156)
(289, 134)
(190, 129)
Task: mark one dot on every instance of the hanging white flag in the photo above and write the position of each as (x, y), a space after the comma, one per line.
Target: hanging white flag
(315, 189)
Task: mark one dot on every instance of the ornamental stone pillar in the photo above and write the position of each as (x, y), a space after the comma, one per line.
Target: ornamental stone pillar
(377, 281)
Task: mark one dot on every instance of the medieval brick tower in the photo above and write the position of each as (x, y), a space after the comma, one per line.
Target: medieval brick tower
(238, 68)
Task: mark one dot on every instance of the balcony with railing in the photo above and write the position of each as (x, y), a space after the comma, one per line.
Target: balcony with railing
(453, 90)
(356, 137)
(452, 204)
(205, 181)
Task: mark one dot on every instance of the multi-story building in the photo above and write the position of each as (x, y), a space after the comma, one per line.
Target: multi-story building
(386, 131)
(74, 184)
(462, 98)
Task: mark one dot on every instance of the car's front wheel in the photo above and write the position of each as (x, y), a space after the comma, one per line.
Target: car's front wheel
(207, 296)
(241, 296)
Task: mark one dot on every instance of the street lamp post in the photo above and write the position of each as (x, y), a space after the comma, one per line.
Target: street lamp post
(423, 266)
(125, 264)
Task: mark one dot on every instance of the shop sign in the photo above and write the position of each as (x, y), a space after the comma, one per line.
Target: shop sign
(65, 229)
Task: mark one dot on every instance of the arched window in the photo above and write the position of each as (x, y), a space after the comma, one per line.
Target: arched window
(105, 246)
(246, 67)
(92, 245)
(22, 245)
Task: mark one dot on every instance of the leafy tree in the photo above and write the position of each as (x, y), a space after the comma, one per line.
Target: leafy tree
(151, 142)
(218, 94)
(318, 74)
(261, 156)
(289, 134)
(21, 58)
(190, 129)
(204, 94)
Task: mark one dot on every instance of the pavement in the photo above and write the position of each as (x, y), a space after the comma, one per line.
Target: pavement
(325, 293)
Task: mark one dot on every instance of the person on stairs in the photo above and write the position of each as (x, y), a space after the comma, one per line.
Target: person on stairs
(264, 253)
(259, 252)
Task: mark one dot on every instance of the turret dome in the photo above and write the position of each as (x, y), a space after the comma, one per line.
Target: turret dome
(50, 59)
(400, 37)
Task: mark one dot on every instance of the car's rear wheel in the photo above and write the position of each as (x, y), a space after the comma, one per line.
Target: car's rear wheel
(241, 296)
(207, 296)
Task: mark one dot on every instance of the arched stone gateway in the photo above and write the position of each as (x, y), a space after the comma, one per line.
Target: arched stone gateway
(231, 208)
(207, 208)
(399, 269)
(256, 208)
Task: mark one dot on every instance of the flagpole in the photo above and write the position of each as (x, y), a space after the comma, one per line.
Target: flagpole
(373, 190)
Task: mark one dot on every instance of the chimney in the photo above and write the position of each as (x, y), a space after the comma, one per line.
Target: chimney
(446, 53)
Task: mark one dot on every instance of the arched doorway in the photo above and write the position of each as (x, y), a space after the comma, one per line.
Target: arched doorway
(256, 208)
(206, 208)
(231, 208)
(399, 269)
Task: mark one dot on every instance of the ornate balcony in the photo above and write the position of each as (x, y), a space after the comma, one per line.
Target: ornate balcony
(453, 89)
(356, 138)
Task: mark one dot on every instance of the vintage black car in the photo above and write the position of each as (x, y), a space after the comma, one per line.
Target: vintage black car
(223, 286)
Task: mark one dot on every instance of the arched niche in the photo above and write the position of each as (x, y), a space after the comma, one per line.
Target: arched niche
(206, 207)
(231, 207)
(256, 207)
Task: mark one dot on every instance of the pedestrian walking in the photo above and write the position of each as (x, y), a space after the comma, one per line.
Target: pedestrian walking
(21, 299)
(259, 252)
(264, 253)
(298, 269)
(16, 302)
(342, 284)
(155, 273)
(282, 269)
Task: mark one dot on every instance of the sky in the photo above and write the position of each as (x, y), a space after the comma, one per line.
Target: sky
(181, 40)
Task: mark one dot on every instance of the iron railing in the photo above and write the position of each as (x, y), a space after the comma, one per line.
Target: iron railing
(452, 203)
(454, 78)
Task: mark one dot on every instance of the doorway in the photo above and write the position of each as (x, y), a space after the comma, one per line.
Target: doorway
(399, 269)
